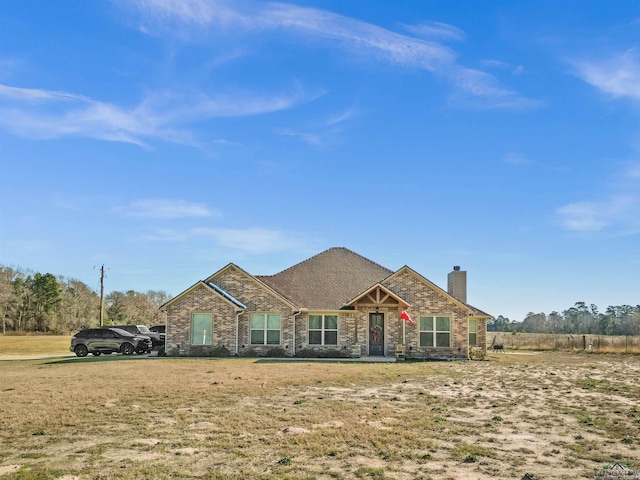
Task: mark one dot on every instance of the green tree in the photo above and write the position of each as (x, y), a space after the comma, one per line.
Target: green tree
(535, 323)
(22, 302)
(499, 324)
(80, 306)
(46, 296)
(7, 296)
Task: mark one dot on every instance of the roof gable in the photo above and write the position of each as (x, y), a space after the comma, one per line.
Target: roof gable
(227, 296)
(327, 280)
(252, 278)
(214, 289)
(472, 310)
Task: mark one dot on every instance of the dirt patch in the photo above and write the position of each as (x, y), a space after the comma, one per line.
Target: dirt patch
(6, 469)
(550, 415)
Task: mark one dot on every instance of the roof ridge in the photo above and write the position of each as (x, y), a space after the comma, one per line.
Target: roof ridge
(325, 251)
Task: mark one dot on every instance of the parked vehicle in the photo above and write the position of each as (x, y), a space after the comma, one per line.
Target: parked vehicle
(162, 330)
(157, 339)
(108, 340)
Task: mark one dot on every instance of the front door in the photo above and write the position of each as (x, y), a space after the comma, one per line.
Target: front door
(376, 334)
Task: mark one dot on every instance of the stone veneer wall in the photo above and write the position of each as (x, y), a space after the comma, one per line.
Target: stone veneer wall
(346, 332)
(257, 299)
(392, 328)
(479, 352)
(426, 301)
(353, 325)
(200, 300)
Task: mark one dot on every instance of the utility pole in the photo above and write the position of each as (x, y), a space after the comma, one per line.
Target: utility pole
(101, 295)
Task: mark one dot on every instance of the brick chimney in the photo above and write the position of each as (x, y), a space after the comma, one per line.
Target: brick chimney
(457, 284)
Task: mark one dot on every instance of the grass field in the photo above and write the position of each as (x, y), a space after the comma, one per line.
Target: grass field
(551, 415)
(34, 345)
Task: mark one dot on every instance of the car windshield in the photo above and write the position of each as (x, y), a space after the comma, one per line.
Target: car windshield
(143, 329)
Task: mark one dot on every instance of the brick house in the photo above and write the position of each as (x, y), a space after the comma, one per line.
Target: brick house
(337, 301)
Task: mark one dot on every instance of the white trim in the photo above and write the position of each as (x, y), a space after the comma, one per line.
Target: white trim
(323, 329)
(265, 315)
(469, 332)
(435, 331)
(205, 334)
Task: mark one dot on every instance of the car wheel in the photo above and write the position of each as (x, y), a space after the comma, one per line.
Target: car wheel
(127, 349)
(141, 350)
(96, 354)
(81, 350)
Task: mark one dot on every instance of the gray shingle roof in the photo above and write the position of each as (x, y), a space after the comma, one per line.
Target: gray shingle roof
(327, 280)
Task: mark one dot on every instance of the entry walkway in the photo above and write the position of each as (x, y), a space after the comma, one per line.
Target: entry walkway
(369, 359)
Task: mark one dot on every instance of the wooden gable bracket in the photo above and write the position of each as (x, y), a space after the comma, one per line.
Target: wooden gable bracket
(377, 296)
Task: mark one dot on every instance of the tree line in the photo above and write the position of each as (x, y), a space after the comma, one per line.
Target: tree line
(36, 302)
(45, 303)
(579, 319)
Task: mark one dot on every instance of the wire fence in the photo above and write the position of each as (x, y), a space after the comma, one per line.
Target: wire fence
(566, 342)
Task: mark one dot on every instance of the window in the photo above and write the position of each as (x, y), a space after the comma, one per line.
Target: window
(265, 329)
(106, 333)
(438, 337)
(323, 329)
(201, 328)
(473, 333)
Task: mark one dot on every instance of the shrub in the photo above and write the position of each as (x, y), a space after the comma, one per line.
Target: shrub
(312, 353)
(221, 351)
(276, 352)
(476, 353)
(333, 354)
(306, 353)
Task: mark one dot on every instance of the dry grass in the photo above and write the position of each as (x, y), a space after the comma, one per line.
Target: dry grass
(555, 415)
(34, 345)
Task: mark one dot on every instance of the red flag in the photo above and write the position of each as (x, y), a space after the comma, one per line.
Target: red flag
(405, 316)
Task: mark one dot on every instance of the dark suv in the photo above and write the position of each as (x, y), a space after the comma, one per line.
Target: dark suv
(108, 340)
(160, 330)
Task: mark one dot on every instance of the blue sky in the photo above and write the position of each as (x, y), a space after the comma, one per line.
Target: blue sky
(167, 138)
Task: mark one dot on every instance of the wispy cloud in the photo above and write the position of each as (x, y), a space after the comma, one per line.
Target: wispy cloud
(595, 216)
(633, 172)
(253, 240)
(513, 69)
(182, 17)
(165, 209)
(617, 75)
(46, 114)
(617, 212)
(341, 117)
(38, 96)
(166, 235)
(310, 138)
(478, 89)
(436, 30)
(514, 158)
